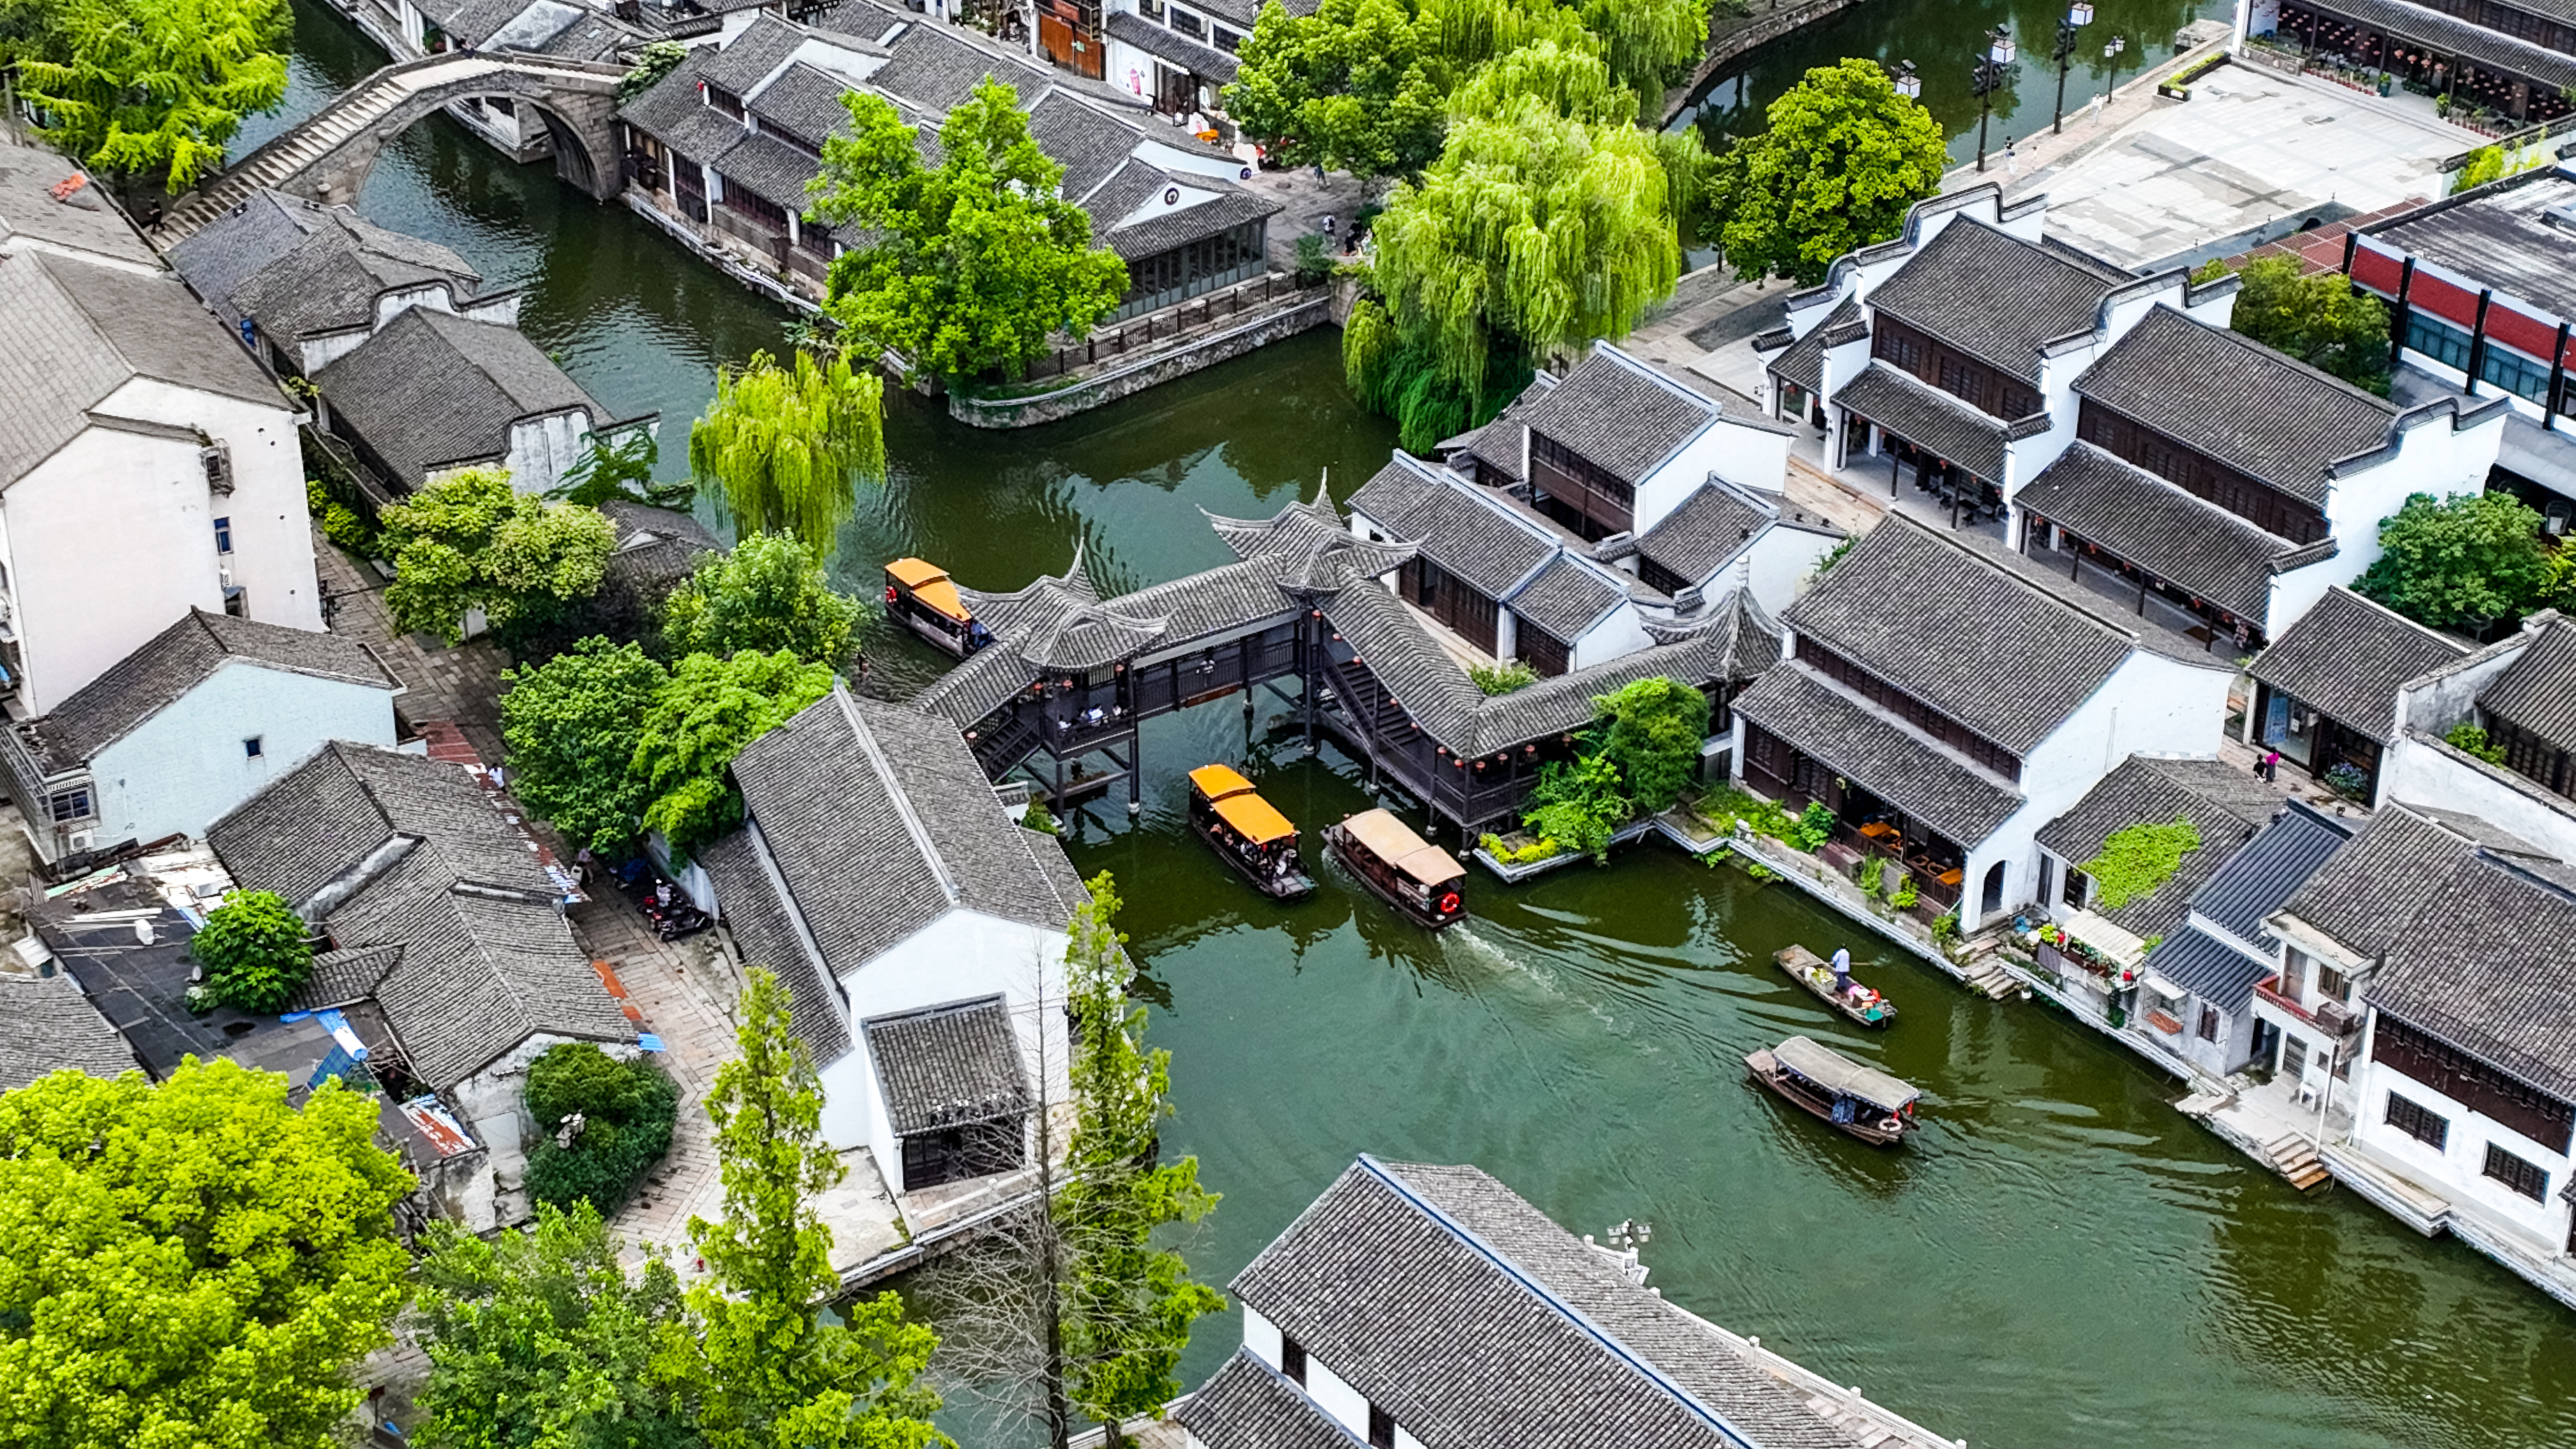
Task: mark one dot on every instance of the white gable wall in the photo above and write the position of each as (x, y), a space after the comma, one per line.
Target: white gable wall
(272, 527)
(185, 766)
(543, 449)
(2457, 1168)
(1783, 555)
(2422, 771)
(963, 955)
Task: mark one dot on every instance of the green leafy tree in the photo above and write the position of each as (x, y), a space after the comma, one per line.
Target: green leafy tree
(2469, 561)
(1649, 44)
(1130, 1302)
(785, 448)
(540, 1339)
(767, 595)
(657, 58)
(621, 471)
(619, 1115)
(1357, 86)
(191, 1263)
(974, 265)
(1842, 159)
(2137, 860)
(699, 721)
(572, 725)
(470, 541)
(2470, 737)
(2322, 320)
(152, 90)
(1580, 804)
(764, 1370)
(256, 951)
(1656, 729)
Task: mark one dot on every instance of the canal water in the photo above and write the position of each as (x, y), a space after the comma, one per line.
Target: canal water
(2060, 1259)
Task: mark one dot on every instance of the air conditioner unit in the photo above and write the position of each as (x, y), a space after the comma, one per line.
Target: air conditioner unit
(82, 840)
(2336, 1017)
(224, 572)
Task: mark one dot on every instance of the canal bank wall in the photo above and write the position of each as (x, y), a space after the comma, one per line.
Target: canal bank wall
(1753, 33)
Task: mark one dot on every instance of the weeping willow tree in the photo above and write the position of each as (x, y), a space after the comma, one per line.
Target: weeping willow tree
(1548, 221)
(785, 448)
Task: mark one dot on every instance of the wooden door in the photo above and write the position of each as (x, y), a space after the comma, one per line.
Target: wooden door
(1055, 37)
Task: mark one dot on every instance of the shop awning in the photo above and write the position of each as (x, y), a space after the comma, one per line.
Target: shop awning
(2106, 940)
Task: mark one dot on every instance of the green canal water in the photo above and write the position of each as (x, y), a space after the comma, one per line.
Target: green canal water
(2059, 1260)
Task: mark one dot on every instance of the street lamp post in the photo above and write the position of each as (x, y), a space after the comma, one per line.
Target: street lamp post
(1992, 74)
(2111, 57)
(1907, 83)
(2077, 17)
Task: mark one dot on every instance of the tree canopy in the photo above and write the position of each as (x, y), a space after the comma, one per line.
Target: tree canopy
(1655, 728)
(191, 1263)
(699, 721)
(768, 594)
(2468, 562)
(619, 1114)
(256, 951)
(152, 90)
(470, 541)
(1357, 86)
(1841, 160)
(540, 1339)
(2322, 320)
(784, 449)
(764, 1371)
(974, 264)
(572, 725)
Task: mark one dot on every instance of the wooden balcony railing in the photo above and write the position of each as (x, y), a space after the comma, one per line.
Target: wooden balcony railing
(2270, 990)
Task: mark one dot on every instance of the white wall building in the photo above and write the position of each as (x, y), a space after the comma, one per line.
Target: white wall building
(919, 929)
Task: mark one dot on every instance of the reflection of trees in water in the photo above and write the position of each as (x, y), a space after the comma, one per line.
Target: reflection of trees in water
(2420, 1340)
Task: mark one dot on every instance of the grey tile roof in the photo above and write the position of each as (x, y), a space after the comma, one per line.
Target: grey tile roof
(745, 61)
(1865, 743)
(1566, 598)
(2487, 966)
(178, 659)
(1247, 1404)
(82, 218)
(300, 268)
(2186, 541)
(2209, 968)
(1976, 641)
(1928, 418)
(934, 67)
(2460, 37)
(1308, 545)
(1620, 414)
(2347, 656)
(1712, 526)
(2537, 692)
(880, 821)
(2270, 869)
(769, 169)
(1205, 61)
(1996, 296)
(948, 1066)
(1803, 363)
(1090, 144)
(341, 978)
(47, 1025)
(222, 254)
(764, 936)
(2368, 893)
(2225, 804)
(654, 547)
(804, 101)
(1413, 1283)
(2238, 401)
(390, 849)
(1231, 207)
(74, 333)
(672, 112)
(433, 389)
(1463, 533)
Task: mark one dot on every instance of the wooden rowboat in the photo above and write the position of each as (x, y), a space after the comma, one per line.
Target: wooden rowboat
(1809, 970)
(1857, 1100)
(1409, 873)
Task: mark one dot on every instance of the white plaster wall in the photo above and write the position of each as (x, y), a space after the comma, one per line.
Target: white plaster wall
(2420, 772)
(110, 542)
(1260, 1336)
(1621, 631)
(393, 302)
(2432, 457)
(2457, 1169)
(1347, 1406)
(2294, 593)
(1783, 555)
(503, 309)
(1747, 456)
(272, 531)
(961, 956)
(319, 350)
(186, 766)
(2447, 698)
(542, 449)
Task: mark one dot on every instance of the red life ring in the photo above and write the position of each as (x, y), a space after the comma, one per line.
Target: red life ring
(1449, 903)
(891, 595)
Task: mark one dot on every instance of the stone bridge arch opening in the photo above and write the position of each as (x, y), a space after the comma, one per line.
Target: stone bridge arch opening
(580, 128)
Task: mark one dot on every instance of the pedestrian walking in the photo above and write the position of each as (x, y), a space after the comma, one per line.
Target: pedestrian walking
(2272, 767)
(1328, 223)
(2098, 99)
(2012, 162)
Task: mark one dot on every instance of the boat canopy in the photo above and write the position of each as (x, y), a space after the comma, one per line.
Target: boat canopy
(931, 585)
(1394, 842)
(1254, 818)
(1841, 1075)
(1218, 781)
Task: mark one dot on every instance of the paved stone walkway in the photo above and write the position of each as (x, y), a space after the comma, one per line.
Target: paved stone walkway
(460, 686)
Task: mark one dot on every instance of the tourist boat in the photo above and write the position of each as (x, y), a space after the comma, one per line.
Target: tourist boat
(1246, 831)
(922, 595)
(1860, 1003)
(1862, 1101)
(1413, 875)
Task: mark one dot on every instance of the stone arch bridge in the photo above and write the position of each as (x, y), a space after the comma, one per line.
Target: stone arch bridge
(327, 156)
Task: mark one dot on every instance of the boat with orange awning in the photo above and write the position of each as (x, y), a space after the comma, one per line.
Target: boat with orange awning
(1246, 831)
(921, 594)
(1410, 873)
